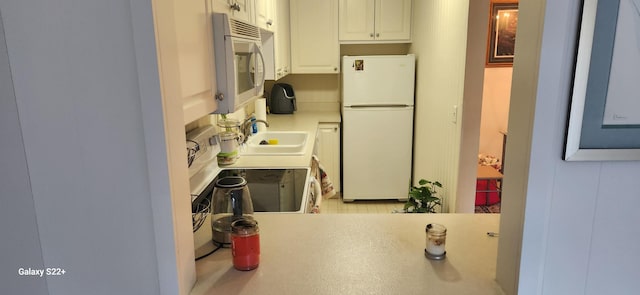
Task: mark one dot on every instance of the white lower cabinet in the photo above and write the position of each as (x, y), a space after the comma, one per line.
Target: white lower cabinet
(329, 151)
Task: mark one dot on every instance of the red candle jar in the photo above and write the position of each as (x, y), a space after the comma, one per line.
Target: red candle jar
(245, 244)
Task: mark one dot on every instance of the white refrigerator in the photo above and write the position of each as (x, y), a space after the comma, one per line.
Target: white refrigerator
(377, 116)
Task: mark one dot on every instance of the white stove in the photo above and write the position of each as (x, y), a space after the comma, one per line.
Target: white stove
(202, 146)
(282, 190)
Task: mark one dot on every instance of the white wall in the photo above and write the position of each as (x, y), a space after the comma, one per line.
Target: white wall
(580, 228)
(78, 99)
(495, 109)
(440, 47)
(319, 92)
(20, 246)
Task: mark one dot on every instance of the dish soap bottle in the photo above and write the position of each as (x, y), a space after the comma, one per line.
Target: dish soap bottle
(254, 126)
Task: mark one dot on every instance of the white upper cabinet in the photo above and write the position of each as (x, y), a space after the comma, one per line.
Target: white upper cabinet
(314, 37)
(265, 13)
(393, 20)
(185, 55)
(276, 42)
(357, 19)
(282, 39)
(375, 21)
(238, 9)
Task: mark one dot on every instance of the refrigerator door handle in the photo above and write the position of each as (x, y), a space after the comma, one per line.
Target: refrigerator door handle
(378, 106)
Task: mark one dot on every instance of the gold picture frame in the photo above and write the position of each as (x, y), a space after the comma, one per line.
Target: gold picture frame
(503, 22)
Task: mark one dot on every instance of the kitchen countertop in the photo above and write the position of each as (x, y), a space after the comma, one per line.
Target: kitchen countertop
(360, 254)
(299, 121)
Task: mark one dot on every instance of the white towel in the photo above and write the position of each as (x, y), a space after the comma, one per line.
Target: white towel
(328, 191)
(317, 192)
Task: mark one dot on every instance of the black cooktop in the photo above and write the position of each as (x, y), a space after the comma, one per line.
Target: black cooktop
(272, 190)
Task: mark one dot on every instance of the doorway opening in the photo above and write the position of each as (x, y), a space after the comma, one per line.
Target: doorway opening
(496, 95)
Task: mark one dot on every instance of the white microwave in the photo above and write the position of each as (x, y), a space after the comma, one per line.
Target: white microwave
(239, 61)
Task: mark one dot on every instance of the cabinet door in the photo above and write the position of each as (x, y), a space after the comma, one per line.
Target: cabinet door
(282, 39)
(275, 44)
(329, 151)
(239, 9)
(357, 20)
(393, 20)
(265, 11)
(185, 53)
(246, 11)
(314, 37)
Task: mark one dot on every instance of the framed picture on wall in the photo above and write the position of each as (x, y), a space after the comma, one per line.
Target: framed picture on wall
(604, 118)
(503, 21)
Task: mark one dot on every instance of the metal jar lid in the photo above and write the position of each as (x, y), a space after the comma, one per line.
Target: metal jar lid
(228, 135)
(436, 228)
(244, 226)
(231, 182)
(228, 123)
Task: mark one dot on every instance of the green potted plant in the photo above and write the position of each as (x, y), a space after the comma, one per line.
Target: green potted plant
(423, 198)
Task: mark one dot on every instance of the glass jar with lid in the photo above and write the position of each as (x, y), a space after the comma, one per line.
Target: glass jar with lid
(230, 139)
(229, 125)
(245, 244)
(436, 237)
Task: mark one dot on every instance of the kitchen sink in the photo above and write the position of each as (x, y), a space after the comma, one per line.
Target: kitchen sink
(281, 143)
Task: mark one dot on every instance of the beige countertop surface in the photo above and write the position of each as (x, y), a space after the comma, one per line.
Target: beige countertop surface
(360, 254)
(299, 121)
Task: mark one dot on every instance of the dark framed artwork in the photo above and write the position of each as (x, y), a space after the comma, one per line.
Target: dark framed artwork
(604, 115)
(503, 21)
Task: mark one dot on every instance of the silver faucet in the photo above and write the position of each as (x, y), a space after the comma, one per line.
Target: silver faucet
(245, 128)
(262, 121)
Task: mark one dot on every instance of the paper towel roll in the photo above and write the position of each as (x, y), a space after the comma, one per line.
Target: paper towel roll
(261, 113)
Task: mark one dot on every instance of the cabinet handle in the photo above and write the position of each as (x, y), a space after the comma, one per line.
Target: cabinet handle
(335, 69)
(377, 35)
(235, 7)
(371, 35)
(269, 22)
(219, 96)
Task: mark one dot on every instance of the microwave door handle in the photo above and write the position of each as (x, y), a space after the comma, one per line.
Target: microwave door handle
(264, 74)
(251, 70)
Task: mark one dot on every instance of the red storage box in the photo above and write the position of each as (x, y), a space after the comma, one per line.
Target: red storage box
(487, 192)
